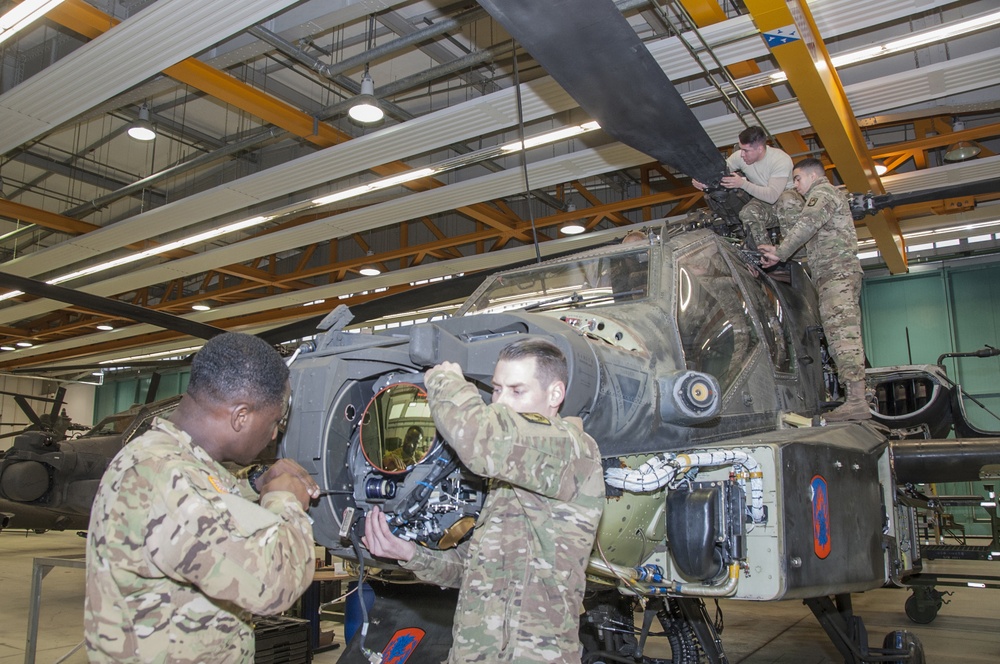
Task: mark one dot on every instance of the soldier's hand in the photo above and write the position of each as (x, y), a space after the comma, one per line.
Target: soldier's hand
(700, 186)
(768, 257)
(290, 467)
(733, 181)
(449, 367)
(380, 541)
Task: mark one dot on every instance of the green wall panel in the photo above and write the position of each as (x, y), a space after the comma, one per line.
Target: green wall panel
(905, 319)
(975, 294)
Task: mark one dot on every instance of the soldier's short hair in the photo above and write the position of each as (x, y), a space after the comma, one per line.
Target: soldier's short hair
(810, 164)
(753, 136)
(549, 360)
(238, 367)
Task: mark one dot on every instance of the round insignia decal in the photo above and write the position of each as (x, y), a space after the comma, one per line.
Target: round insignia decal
(820, 516)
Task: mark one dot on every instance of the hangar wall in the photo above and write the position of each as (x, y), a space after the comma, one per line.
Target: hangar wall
(916, 317)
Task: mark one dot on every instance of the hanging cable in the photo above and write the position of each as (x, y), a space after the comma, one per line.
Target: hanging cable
(524, 159)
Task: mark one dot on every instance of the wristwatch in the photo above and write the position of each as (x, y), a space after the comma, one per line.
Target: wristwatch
(254, 473)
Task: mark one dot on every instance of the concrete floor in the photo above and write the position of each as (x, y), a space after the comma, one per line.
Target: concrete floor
(967, 630)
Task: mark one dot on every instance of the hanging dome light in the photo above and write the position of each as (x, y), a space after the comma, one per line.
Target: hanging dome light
(142, 129)
(369, 269)
(962, 151)
(366, 108)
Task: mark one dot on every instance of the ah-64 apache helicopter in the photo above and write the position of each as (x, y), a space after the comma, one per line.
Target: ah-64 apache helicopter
(699, 375)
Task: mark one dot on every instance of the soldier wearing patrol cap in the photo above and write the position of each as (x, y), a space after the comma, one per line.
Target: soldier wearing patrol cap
(179, 551)
(522, 574)
(826, 228)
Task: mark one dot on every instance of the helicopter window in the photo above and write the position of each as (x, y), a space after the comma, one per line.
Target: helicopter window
(589, 282)
(109, 426)
(397, 430)
(772, 317)
(715, 327)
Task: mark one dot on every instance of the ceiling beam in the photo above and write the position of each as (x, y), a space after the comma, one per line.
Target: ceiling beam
(795, 42)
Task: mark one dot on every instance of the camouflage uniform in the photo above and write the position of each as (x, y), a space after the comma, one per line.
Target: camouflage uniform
(775, 202)
(178, 556)
(826, 228)
(522, 574)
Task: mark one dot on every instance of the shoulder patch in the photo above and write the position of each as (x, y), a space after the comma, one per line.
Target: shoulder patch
(536, 418)
(812, 201)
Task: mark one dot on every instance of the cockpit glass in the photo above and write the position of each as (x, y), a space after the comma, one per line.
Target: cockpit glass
(588, 282)
(397, 430)
(713, 319)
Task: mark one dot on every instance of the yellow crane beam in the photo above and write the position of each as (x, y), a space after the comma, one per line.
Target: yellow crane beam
(796, 44)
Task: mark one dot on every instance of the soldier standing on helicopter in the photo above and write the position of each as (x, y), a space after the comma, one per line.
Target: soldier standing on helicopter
(826, 229)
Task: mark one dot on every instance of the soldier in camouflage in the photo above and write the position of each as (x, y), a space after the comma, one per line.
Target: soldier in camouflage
(179, 552)
(522, 574)
(765, 173)
(826, 228)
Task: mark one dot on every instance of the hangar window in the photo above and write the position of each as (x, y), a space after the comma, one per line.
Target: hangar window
(715, 327)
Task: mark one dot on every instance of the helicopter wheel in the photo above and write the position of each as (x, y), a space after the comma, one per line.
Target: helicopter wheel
(902, 639)
(923, 605)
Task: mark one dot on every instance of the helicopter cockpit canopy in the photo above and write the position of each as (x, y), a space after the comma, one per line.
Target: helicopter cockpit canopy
(591, 281)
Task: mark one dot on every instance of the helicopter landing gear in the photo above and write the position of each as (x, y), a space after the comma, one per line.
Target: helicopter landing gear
(849, 635)
(923, 605)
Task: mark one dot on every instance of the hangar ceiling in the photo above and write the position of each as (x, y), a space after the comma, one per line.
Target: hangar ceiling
(249, 102)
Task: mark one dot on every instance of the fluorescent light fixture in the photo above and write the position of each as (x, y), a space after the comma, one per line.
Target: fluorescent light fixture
(24, 344)
(163, 248)
(7, 348)
(572, 228)
(880, 167)
(201, 306)
(383, 183)
(105, 328)
(163, 354)
(23, 15)
(551, 137)
(918, 39)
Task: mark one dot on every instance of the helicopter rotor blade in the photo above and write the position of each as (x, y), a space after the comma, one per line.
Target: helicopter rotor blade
(109, 306)
(590, 49)
(990, 186)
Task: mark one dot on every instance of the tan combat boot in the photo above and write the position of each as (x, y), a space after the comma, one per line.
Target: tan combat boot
(854, 409)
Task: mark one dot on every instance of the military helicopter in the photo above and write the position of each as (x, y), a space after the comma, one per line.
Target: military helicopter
(48, 482)
(699, 375)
